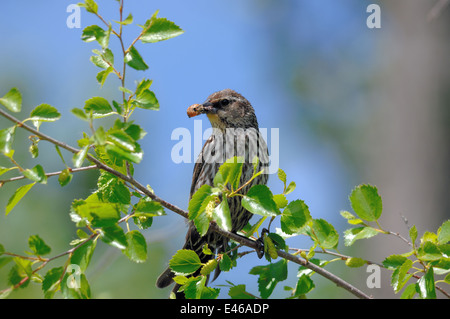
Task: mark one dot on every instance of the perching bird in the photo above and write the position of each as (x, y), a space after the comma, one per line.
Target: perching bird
(235, 133)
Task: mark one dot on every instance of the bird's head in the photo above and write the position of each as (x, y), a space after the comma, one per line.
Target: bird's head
(226, 109)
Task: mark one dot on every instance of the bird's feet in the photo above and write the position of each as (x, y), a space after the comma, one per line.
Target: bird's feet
(260, 244)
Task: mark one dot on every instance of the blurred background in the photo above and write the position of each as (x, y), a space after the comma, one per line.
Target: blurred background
(353, 105)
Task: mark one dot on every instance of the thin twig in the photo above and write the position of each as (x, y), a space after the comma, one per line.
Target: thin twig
(72, 170)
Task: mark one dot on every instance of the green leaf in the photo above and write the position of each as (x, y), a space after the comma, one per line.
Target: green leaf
(429, 251)
(148, 207)
(443, 233)
(195, 288)
(17, 196)
(394, 261)
(185, 262)
(99, 107)
(426, 285)
(282, 176)
(115, 151)
(135, 60)
(113, 235)
(304, 285)
(82, 255)
(280, 200)
(6, 140)
(239, 292)
(122, 139)
(290, 188)
(196, 202)
(36, 174)
(269, 276)
(44, 113)
(51, 281)
(325, 234)
(159, 29)
(112, 189)
(413, 234)
(366, 202)
(128, 20)
(225, 263)
(102, 75)
(353, 234)
(400, 276)
(90, 6)
(229, 172)
(146, 100)
(80, 114)
(409, 291)
(38, 246)
(295, 217)
(12, 100)
(93, 210)
(137, 247)
(95, 33)
(2, 249)
(79, 157)
(259, 200)
(74, 285)
(64, 177)
(3, 170)
(222, 216)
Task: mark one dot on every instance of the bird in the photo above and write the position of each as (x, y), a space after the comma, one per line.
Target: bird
(235, 132)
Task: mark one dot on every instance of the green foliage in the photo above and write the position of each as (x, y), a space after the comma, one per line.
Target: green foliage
(116, 204)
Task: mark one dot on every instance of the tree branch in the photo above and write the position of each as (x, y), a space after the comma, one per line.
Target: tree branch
(242, 240)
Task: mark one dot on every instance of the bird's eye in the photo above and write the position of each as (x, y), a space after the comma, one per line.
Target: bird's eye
(224, 102)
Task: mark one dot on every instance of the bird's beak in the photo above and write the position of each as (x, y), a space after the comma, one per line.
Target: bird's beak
(197, 109)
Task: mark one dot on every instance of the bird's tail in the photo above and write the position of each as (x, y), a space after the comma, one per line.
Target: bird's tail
(195, 242)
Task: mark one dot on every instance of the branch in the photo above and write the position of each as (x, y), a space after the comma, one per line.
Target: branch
(242, 240)
(72, 170)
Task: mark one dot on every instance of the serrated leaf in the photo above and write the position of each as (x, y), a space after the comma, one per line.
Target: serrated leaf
(426, 285)
(134, 60)
(98, 106)
(394, 261)
(409, 291)
(146, 100)
(17, 196)
(304, 285)
(79, 157)
(259, 200)
(290, 188)
(366, 202)
(96, 33)
(443, 233)
(229, 172)
(75, 286)
(185, 262)
(295, 217)
(82, 255)
(137, 247)
(12, 100)
(280, 200)
(325, 234)
(269, 276)
(51, 281)
(103, 75)
(222, 216)
(90, 6)
(80, 114)
(44, 113)
(353, 234)
(38, 246)
(6, 140)
(113, 235)
(36, 174)
(128, 20)
(239, 292)
(225, 263)
(159, 29)
(400, 276)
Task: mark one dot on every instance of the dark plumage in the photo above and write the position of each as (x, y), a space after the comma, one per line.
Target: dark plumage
(235, 133)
